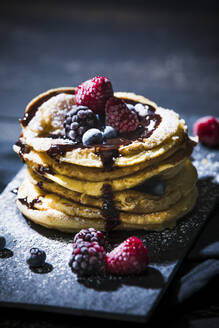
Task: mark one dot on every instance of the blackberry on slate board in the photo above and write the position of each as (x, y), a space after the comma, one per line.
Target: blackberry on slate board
(88, 258)
(90, 235)
(78, 121)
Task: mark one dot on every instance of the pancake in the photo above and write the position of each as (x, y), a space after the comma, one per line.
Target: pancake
(59, 213)
(41, 161)
(70, 186)
(131, 200)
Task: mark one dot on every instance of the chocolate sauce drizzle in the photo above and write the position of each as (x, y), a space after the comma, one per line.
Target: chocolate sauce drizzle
(31, 204)
(109, 210)
(24, 149)
(44, 169)
(15, 191)
(61, 149)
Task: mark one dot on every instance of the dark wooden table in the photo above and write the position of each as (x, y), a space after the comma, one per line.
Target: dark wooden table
(167, 53)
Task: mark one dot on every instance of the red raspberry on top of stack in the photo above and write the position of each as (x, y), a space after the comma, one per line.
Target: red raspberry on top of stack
(94, 93)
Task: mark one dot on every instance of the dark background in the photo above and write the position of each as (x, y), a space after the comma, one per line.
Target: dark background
(165, 50)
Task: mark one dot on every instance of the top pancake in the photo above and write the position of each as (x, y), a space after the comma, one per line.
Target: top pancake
(48, 110)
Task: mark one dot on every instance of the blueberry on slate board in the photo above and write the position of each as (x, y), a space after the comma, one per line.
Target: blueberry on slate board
(109, 132)
(2, 242)
(37, 258)
(92, 137)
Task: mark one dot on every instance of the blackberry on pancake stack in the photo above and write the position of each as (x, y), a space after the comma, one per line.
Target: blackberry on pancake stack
(105, 160)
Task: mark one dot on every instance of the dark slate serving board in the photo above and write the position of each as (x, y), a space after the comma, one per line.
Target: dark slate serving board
(127, 298)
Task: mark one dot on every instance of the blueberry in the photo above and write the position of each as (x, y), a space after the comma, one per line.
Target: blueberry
(159, 188)
(92, 136)
(154, 186)
(109, 132)
(2, 242)
(37, 258)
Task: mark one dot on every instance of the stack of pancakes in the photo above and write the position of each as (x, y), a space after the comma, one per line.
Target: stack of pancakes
(128, 183)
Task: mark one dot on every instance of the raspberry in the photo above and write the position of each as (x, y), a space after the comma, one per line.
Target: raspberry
(90, 235)
(94, 93)
(207, 129)
(119, 116)
(78, 121)
(88, 258)
(129, 257)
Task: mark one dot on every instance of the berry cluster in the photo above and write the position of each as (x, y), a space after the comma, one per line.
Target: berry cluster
(89, 257)
(98, 115)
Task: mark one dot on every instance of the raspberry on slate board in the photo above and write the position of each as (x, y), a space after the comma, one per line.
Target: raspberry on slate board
(207, 129)
(129, 257)
(94, 93)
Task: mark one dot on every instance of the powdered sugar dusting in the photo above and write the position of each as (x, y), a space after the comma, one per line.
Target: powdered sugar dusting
(111, 294)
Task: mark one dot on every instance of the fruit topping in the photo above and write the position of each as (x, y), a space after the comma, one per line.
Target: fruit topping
(37, 258)
(88, 258)
(94, 93)
(141, 110)
(92, 137)
(78, 121)
(207, 129)
(109, 132)
(129, 257)
(2, 242)
(90, 235)
(119, 116)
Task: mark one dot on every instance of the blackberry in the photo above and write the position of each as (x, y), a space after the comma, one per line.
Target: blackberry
(78, 121)
(37, 258)
(2, 242)
(90, 235)
(88, 258)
